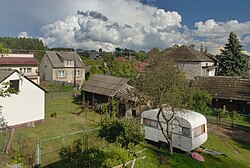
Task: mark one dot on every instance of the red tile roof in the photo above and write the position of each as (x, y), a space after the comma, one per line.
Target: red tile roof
(141, 66)
(18, 61)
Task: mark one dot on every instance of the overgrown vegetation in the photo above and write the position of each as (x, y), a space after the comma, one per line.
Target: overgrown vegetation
(123, 131)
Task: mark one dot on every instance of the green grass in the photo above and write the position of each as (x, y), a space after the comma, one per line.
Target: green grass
(63, 123)
(238, 155)
(66, 122)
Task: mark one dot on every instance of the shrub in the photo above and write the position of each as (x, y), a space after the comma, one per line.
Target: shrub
(53, 114)
(122, 131)
(76, 156)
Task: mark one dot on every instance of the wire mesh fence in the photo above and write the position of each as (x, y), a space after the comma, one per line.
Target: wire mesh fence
(47, 150)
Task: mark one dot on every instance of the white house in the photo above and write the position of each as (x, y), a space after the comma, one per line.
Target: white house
(192, 62)
(26, 108)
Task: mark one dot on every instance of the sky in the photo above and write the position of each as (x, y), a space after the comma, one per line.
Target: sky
(133, 24)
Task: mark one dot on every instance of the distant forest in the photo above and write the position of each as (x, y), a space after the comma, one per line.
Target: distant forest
(25, 45)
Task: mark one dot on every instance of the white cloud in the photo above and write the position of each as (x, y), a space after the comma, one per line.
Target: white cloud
(23, 34)
(141, 28)
(109, 24)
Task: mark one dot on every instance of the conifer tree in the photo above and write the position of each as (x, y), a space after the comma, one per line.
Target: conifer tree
(233, 62)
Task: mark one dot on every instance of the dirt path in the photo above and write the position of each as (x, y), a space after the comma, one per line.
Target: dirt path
(237, 134)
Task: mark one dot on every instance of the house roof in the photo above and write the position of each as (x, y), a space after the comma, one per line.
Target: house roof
(105, 85)
(56, 58)
(18, 61)
(4, 74)
(188, 54)
(222, 87)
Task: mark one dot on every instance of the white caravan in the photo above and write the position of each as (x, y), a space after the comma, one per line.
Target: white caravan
(188, 128)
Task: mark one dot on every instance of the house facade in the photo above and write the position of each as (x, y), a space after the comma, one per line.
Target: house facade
(62, 66)
(27, 107)
(192, 62)
(26, 64)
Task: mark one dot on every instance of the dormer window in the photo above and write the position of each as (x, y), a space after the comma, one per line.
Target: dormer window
(69, 62)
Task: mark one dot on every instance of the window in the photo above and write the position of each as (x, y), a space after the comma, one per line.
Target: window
(14, 84)
(69, 62)
(28, 70)
(25, 70)
(150, 123)
(78, 73)
(185, 131)
(61, 74)
(199, 130)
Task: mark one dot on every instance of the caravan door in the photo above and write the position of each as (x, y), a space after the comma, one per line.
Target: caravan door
(176, 132)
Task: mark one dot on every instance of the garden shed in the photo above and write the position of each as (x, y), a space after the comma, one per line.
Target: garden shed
(232, 92)
(101, 88)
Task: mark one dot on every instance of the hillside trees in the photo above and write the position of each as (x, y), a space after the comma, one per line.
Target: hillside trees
(24, 45)
(233, 62)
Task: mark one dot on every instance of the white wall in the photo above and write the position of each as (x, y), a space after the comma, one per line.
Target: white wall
(27, 106)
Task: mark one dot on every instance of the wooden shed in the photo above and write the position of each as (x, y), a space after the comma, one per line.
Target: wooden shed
(100, 88)
(233, 92)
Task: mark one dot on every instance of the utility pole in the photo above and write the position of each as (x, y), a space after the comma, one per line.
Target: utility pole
(74, 73)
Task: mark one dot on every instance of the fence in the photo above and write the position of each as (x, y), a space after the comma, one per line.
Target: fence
(47, 150)
(228, 123)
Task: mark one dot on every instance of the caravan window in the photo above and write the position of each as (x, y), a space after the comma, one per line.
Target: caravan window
(185, 131)
(150, 123)
(199, 130)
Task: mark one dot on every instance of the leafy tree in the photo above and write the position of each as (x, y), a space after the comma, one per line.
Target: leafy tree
(164, 86)
(122, 69)
(122, 131)
(140, 56)
(3, 49)
(198, 100)
(232, 61)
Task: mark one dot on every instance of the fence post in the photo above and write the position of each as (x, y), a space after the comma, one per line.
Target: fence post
(38, 155)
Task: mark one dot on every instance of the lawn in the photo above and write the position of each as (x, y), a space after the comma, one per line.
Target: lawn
(66, 122)
(238, 155)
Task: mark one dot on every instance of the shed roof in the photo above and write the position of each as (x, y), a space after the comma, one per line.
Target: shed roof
(105, 85)
(222, 87)
(188, 54)
(56, 58)
(18, 61)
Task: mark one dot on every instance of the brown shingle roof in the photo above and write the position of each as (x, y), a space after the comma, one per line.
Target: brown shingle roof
(18, 61)
(5, 74)
(188, 54)
(221, 87)
(105, 85)
(56, 58)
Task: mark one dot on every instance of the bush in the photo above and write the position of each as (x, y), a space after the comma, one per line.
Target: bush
(122, 131)
(53, 114)
(76, 156)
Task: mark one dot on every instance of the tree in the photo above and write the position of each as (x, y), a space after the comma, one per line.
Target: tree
(3, 49)
(232, 61)
(164, 86)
